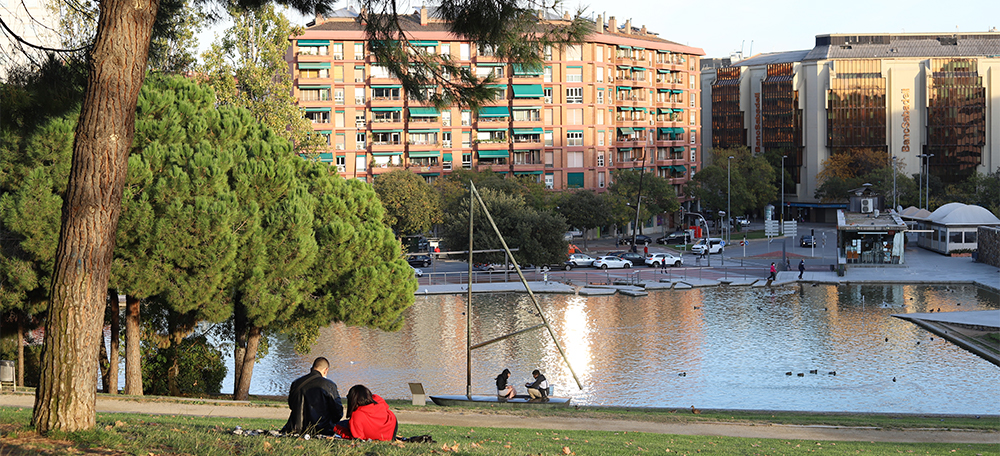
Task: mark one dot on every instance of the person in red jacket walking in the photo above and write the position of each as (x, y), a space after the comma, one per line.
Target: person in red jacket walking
(368, 417)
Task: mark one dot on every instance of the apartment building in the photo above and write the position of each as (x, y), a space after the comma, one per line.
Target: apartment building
(625, 98)
(927, 99)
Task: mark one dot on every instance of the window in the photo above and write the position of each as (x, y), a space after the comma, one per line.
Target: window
(600, 155)
(526, 157)
(317, 94)
(600, 97)
(463, 51)
(446, 139)
(318, 116)
(339, 144)
(574, 52)
(338, 96)
(574, 116)
(313, 50)
(423, 139)
(446, 118)
(483, 71)
(694, 155)
(379, 71)
(547, 94)
(359, 141)
(692, 101)
(574, 159)
(385, 93)
(547, 74)
(341, 164)
(466, 139)
(314, 73)
(693, 137)
(574, 138)
(600, 179)
(338, 51)
(574, 95)
(446, 49)
(574, 74)
(599, 53)
(599, 74)
(548, 52)
(339, 119)
(548, 140)
(360, 164)
(548, 181)
(359, 51)
(574, 180)
(359, 120)
(359, 95)
(548, 116)
(600, 142)
(386, 116)
(467, 161)
(466, 118)
(527, 115)
(385, 137)
(600, 117)
(691, 78)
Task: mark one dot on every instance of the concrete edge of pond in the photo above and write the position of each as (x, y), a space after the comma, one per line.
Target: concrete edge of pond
(960, 332)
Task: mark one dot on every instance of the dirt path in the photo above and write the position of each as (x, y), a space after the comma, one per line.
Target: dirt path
(473, 418)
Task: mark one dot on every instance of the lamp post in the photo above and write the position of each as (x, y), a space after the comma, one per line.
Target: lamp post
(920, 182)
(781, 218)
(927, 200)
(729, 196)
(894, 202)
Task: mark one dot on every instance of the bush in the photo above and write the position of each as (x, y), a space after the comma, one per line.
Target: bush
(201, 367)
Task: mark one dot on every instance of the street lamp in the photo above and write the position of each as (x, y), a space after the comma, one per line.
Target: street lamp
(782, 190)
(927, 200)
(729, 196)
(926, 170)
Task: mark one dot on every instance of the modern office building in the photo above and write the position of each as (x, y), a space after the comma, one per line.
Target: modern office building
(926, 99)
(625, 98)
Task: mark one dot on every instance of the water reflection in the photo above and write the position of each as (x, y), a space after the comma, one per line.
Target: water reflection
(733, 346)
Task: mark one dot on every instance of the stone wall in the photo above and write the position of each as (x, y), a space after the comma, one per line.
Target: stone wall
(988, 250)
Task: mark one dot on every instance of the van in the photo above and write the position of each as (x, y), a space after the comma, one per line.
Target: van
(715, 246)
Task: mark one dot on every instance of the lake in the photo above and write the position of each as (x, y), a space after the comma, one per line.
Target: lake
(719, 347)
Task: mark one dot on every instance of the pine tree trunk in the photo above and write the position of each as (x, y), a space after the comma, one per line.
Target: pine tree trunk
(241, 390)
(240, 336)
(112, 387)
(102, 358)
(66, 393)
(133, 352)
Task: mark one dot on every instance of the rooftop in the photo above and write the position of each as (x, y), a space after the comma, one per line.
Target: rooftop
(854, 221)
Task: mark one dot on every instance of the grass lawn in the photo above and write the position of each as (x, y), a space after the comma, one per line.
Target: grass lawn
(136, 434)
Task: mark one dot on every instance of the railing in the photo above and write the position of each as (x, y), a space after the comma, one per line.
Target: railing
(590, 276)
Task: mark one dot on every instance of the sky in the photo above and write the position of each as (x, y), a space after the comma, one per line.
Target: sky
(720, 27)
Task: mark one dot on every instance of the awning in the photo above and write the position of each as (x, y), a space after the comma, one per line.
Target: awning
(313, 87)
(626, 130)
(522, 173)
(523, 70)
(666, 131)
(490, 64)
(663, 90)
(624, 88)
(640, 109)
(493, 153)
(425, 154)
(528, 91)
(624, 108)
(624, 67)
(424, 112)
(680, 168)
(528, 131)
(527, 108)
(446, 157)
(317, 109)
(678, 130)
(639, 48)
(663, 111)
(424, 43)
(494, 111)
(313, 42)
(387, 87)
(377, 109)
(428, 130)
(662, 71)
(387, 153)
(662, 51)
(624, 149)
(678, 149)
(492, 129)
(635, 68)
(624, 47)
(678, 110)
(428, 174)
(677, 91)
(313, 65)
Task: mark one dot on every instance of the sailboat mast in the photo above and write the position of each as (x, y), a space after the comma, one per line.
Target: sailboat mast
(468, 301)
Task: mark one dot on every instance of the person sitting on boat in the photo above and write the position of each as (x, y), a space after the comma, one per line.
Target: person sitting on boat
(368, 417)
(540, 388)
(504, 390)
(314, 401)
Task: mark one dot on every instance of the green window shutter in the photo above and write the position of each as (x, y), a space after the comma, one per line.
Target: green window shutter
(574, 180)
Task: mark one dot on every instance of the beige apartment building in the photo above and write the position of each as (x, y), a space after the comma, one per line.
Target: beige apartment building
(624, 99)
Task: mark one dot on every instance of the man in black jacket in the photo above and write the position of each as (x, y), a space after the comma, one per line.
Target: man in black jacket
(314, 401)
(540, 388)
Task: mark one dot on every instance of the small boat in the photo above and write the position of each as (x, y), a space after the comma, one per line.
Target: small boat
(517, 401)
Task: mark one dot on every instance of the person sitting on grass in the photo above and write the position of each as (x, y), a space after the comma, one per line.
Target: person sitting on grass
(504, 390)
(539, 390)
(368, 417)
(314, 401)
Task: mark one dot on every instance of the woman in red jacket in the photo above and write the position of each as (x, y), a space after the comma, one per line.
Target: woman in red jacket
(368, 417)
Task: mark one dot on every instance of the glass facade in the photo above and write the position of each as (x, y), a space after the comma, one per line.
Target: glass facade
(856, 106)
(782, 118)
(727, 119)
(956, 118)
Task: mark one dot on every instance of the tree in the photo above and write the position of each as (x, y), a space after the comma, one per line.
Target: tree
(411, 204)
(118, 58)
(853, 163)
(455, 187)
(247, 69)
(658, 195)
(747, 187)
(538, 235)
(584, 209)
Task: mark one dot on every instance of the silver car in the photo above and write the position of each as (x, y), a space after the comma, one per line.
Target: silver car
(606, 262)
(658, 259)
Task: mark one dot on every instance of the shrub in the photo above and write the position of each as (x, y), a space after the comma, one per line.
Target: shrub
(201, 367)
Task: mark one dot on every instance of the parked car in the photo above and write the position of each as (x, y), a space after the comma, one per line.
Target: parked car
(419, 260)
(417, 272)
(807, 241)
(742, 220)
(640, 239)
(569, 235)
(606, 262)
(716, 246)
(632, 257)
(490, 267)
(578, 260)
(677, 237)
(657, 259)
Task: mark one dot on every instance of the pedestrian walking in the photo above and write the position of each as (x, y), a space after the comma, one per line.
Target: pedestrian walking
(802, 268)
(645, 250)
(774, 272)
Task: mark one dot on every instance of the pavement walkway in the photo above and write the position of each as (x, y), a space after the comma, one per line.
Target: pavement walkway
(466, 417)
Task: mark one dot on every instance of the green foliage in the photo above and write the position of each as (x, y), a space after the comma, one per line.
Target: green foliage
(979, 189)
(584, 209)
(747, 187)
(536, 234)
(32, 356)
(200, 367)
(454, 188)
(247, 69)
(411, 204)
(658, 195)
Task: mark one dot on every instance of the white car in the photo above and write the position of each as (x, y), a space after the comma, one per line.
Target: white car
(417, 272)
(715, 243)
(657, 259)
(606, 262)
(577, 260)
